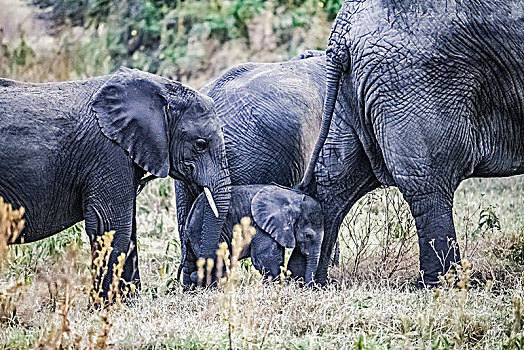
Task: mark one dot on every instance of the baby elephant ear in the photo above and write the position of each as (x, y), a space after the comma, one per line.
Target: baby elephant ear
(131, 111)
(276, 211)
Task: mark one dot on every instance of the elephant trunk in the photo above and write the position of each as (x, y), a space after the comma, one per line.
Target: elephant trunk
(333, 78)
(188, 267)
(311, 265)
(218, 197)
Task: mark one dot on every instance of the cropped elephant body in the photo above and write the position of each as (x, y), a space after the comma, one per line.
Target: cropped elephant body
(42, 128)
(434, 93)
(271, 114)
(78, 150)
(283, 218)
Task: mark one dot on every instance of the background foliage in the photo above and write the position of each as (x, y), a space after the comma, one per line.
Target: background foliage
(190, 41)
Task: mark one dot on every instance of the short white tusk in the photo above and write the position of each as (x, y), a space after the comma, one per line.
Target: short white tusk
(211, 201)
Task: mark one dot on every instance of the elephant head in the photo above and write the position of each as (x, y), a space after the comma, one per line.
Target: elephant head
(169, 129)
(293, 219)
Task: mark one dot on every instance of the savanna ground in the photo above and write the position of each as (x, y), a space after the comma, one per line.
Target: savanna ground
(370, 301)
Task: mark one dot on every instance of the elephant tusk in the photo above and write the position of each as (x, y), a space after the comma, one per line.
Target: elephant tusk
(211, 201)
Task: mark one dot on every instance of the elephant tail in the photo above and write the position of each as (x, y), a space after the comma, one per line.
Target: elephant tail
(334, 74)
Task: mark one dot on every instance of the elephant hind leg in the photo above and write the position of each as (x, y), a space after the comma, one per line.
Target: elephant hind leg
(333, 218)
(436, 234)
(428, 180)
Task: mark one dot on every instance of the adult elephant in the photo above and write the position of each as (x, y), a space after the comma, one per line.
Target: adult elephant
(78, 150)
(271, 115)
(434, 91)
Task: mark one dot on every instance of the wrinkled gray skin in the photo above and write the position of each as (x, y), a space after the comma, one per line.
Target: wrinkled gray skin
(434, 92)
(78, 150)
(271, 115)
(283, 218)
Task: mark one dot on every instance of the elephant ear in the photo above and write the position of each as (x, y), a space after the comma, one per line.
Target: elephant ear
(276, 211)
(131, 110)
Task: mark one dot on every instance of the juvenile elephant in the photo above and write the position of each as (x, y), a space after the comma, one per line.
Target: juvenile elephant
(78, 150)
(433, 92)
(282, 217)
(271, 115)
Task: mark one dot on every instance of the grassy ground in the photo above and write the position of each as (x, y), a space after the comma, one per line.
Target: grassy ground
(364, 307)
(370, 302)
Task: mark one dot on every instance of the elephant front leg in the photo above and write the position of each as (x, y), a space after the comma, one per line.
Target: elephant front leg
(109, 255)
(297, 264)
(267, 255)
(437, 239)
(131, 273)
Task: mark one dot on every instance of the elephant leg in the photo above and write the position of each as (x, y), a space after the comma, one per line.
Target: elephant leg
(101, 218)
(333, 220)
(436, 234)
(188, 269)
(266, 255)
(131, 273)
(343, 175)
(297, 264)
(427, 165)
(335, 257)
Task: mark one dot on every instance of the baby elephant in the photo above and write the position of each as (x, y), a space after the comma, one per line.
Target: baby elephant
(282, 217)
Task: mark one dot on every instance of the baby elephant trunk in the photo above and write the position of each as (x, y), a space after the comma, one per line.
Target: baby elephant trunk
(311, 265)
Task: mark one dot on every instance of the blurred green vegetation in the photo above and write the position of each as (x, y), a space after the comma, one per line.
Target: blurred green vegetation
(183, 40)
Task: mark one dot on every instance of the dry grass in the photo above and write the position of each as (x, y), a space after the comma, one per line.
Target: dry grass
(359, 309)
(369, 304)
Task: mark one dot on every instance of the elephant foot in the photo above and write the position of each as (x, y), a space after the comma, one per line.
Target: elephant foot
(130, 294)
(422, 284)
(195, 283)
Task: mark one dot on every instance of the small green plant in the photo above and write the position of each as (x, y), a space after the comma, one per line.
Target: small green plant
(169, 269)
(488, 221)
(441, 343)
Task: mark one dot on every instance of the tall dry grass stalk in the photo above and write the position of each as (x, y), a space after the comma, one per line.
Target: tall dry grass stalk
(60, 334)
(63, 291)
(114, 297)
(100, 266)
(228, 262)
(11, 224)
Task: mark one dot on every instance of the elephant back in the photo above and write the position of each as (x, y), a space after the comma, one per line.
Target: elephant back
(275, 106)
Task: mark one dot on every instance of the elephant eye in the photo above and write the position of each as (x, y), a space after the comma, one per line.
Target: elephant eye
(200, 145)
